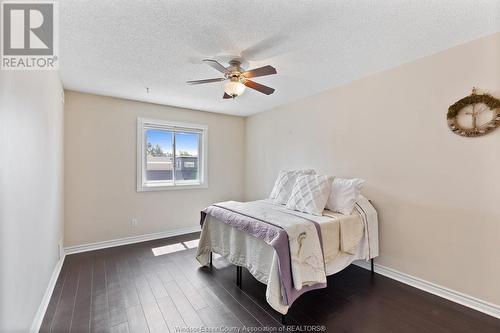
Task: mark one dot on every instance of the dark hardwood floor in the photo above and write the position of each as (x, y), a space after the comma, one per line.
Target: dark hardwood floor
(128, 289)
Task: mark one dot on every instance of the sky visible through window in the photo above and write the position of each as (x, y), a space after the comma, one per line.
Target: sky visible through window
(184, 141)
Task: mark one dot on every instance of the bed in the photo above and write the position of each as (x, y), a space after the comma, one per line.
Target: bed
(289, 251)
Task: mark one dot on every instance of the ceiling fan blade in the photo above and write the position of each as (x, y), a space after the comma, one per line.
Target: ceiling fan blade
(261, 71)
(216, 65)
(206, 81)
(226, 96)
(259, 87)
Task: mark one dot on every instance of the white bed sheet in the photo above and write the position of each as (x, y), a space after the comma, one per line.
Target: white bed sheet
(240, 248)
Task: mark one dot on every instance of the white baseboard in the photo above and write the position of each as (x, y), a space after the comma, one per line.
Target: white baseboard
(449, 294)
(37, 321)
(129, 240)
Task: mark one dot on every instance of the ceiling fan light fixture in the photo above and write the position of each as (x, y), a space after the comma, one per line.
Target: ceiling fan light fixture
(238, 79)
(234, 88)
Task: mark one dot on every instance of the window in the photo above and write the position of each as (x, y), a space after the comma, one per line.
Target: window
(170, 155)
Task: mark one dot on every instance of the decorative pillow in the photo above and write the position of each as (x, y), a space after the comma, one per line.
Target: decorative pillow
(310, 193)
(284, 184)
(344, 194)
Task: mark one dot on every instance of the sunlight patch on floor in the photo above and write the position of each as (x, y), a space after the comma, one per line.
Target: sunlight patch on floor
(192, 243)
(177, 247)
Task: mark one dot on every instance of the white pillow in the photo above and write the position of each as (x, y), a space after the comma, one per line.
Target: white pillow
(284, 184)
(310, 193)
(344, 194)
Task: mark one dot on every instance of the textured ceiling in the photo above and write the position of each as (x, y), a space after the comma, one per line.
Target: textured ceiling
(120, 47)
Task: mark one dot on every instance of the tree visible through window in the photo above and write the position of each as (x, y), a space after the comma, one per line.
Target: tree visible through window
(159, 155)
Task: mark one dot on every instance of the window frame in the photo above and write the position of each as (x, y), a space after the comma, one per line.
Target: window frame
(146, 123)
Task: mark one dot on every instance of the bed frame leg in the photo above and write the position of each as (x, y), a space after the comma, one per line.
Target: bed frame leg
(239, 274)
(283, 319)
(210, 259)
(371, 263)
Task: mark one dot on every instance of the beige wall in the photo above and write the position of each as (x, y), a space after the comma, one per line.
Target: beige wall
(100, 169)
(31, 191)
(438, 194)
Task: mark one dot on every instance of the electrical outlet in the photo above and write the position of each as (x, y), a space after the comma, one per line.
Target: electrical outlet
(134, 223)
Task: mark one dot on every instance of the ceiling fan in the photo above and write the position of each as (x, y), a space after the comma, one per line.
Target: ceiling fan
(238, 78)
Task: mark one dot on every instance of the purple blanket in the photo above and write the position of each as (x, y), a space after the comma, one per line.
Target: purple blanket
(274, 236)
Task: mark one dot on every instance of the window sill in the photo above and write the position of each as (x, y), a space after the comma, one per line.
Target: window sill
(163, 187)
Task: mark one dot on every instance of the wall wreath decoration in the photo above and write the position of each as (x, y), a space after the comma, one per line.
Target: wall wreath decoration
(474, 115)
